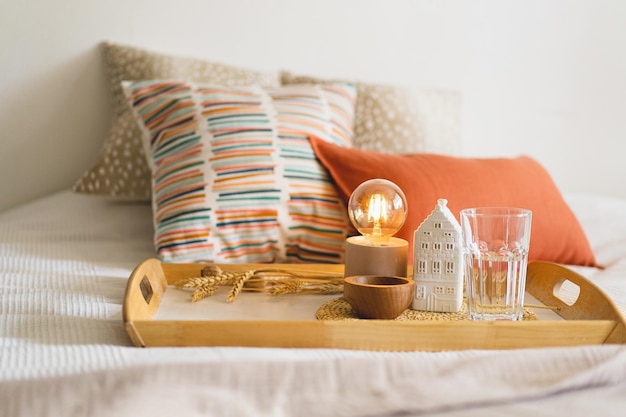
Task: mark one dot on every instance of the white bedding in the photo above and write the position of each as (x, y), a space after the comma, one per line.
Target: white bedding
(64, 261)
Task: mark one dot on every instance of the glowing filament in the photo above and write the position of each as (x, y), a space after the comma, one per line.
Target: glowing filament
(377, 215)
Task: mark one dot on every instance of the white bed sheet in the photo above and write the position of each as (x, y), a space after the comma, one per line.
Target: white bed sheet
(64, 261)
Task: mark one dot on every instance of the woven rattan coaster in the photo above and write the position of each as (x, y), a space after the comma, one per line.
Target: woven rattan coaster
(340, 309)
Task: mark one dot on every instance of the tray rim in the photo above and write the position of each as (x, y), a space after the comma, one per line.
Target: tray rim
(592, 319)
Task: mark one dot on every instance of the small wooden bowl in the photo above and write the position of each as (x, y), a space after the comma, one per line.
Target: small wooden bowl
(378, 297)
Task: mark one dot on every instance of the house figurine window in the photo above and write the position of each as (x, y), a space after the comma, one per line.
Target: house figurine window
(437, 259)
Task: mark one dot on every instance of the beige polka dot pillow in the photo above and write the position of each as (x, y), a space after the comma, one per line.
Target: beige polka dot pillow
(121, 169)
(398, 119)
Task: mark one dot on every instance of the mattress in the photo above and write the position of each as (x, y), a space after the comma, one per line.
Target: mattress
(64, 263)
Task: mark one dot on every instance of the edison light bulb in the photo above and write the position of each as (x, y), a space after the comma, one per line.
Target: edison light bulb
(377, 209)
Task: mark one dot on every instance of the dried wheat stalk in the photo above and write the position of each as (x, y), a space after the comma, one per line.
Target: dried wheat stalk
(238, 285)
(271, 281)
(202, 291)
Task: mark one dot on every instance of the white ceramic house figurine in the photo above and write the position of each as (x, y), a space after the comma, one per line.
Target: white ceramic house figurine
(438, 262)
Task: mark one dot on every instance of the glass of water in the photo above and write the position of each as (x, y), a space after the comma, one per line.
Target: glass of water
(496, 241)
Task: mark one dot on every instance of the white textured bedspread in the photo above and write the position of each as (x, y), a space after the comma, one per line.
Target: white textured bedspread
(64, 262)
(553, 382)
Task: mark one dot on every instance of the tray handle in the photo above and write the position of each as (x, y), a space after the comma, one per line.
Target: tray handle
(144, 291)
(544, 280)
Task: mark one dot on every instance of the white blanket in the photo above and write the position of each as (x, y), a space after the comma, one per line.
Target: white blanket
(566, 382)
(64, 261)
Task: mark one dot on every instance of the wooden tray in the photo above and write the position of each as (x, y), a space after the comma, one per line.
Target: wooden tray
(591, 319)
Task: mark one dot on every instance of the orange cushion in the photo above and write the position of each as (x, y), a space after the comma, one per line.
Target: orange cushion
(556, 234)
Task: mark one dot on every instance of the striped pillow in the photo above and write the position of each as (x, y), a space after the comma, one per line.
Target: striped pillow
(234, 177)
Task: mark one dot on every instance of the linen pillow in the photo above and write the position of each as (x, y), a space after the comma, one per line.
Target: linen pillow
(468, 182)
(401, 119)
(235, 179)
(121, 170)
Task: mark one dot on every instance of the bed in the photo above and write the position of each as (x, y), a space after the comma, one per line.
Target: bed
(65, 260)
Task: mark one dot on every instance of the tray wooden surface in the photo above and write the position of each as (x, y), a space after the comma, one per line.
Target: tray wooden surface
(591, 319)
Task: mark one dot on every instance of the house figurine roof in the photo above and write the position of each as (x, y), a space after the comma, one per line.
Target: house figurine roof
(441, 211)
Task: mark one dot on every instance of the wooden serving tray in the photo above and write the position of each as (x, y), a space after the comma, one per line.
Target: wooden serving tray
(591, 319)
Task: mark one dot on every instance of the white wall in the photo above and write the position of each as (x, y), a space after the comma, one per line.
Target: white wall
(545, 78)
(548, 78)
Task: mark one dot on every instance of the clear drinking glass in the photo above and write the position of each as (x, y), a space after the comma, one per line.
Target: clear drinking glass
(496, 241)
